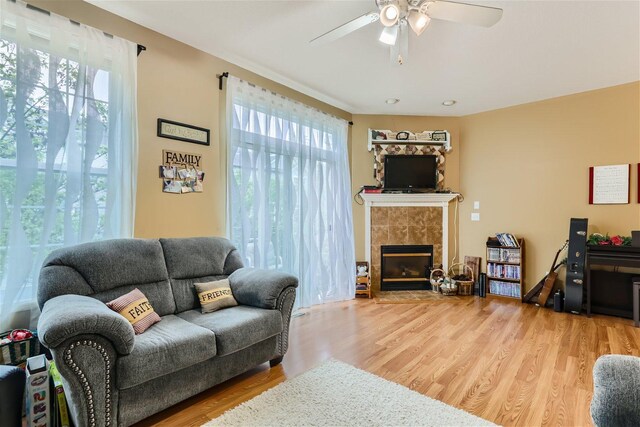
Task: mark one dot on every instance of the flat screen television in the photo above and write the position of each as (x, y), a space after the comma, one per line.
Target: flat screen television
(409, 172)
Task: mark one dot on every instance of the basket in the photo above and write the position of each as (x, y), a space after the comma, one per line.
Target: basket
(438, 280)
(449, 288)
(465, 287)
(17, 352)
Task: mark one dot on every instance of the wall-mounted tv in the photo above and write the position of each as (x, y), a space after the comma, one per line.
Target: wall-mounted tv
(410, 172)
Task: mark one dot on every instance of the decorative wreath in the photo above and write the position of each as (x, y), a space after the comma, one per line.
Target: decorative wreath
(402, 136)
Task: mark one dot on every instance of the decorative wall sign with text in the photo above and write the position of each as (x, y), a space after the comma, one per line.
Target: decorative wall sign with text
(609, 185)
(183, 132)
(181, 172)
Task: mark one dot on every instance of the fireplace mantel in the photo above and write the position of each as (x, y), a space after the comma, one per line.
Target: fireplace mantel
(409, 199)
(438, 200)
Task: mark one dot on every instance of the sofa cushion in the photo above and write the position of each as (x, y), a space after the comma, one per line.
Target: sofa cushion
(197, 259)
(237, 327)
(169, 346)
(215, 295)
(135, 307)
(158, 293)
(107, 269)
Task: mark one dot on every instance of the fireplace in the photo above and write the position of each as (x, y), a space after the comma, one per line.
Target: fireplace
(405, 267)
(405, 219)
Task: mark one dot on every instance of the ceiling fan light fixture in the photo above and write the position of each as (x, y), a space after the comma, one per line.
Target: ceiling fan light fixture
(418, 21)
(389, 35)
(389, 15)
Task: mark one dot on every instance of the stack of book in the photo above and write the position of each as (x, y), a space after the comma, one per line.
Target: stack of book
(507, 239)
(503, 255)
(503, 271)
(504, 288)
(371, 189)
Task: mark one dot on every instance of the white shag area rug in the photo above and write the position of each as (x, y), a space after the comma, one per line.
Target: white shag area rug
(337, 394)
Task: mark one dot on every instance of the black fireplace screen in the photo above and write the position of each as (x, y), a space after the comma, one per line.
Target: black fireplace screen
(406, 267)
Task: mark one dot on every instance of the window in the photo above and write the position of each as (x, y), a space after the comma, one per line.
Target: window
(67, 143)
(289, 204)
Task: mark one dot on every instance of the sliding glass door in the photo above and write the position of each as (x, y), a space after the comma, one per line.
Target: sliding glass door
(289, 204)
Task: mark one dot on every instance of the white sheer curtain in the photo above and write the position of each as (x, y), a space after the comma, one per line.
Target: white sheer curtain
(68, 145)
(289, 202)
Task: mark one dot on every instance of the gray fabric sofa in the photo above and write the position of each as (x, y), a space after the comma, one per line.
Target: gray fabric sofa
(114, 377)
(616, 391)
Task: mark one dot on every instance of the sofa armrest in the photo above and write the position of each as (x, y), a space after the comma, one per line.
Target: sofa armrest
(260, 288)
(67, 316)
(616, 391)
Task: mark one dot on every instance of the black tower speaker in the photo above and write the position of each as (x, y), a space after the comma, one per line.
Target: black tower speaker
(575, 265)
(482, 285)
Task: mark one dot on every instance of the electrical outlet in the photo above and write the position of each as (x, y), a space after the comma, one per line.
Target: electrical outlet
(476, 205)
(475, 216)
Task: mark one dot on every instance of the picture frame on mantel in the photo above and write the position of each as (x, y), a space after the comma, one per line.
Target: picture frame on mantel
(183, 132)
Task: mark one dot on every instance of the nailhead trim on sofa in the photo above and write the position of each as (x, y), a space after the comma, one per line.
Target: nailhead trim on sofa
(68, 358)
(282, 346)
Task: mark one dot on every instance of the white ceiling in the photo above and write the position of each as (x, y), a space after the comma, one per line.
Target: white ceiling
(539, 50)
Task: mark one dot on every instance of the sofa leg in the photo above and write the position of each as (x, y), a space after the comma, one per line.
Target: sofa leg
(275, 362)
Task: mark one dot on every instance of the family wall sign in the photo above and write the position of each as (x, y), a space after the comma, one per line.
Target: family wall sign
(181, 172)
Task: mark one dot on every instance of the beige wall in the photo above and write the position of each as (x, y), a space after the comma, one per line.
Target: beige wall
(176, 82)
(528, 167)
(362, 159)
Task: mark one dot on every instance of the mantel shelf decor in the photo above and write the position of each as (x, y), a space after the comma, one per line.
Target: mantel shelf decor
(429, 142)
(438, 138)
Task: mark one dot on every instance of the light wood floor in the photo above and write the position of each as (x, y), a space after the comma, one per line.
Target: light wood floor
(510, 363)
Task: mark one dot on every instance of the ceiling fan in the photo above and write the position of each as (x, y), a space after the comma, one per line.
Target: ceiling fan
(396, 15)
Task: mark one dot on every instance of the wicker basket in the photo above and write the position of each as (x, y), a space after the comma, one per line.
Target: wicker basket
(449, 288)
(438, 280)
(465, 287)
(16, 352)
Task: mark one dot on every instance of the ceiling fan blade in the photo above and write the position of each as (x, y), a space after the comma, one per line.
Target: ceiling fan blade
(349, 27)
(473, 14)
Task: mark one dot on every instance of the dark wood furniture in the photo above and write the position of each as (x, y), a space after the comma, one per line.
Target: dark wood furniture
(609, 292)
(636, 301)
(501, 258)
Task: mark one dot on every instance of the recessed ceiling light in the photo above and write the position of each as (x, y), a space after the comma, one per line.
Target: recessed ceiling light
(392, 101)
(448, 102)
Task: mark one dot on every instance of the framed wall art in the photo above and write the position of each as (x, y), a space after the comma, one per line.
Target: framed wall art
(183, 132)
(609, 185)
(181, 172)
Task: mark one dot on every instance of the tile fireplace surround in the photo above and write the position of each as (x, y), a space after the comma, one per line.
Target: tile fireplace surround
(406, 219)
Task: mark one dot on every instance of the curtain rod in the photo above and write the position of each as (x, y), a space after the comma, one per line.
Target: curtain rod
(220, 77)
(226, 74)
(141, 48)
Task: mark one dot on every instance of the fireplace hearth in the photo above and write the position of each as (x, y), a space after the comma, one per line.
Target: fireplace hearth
(405, 267)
